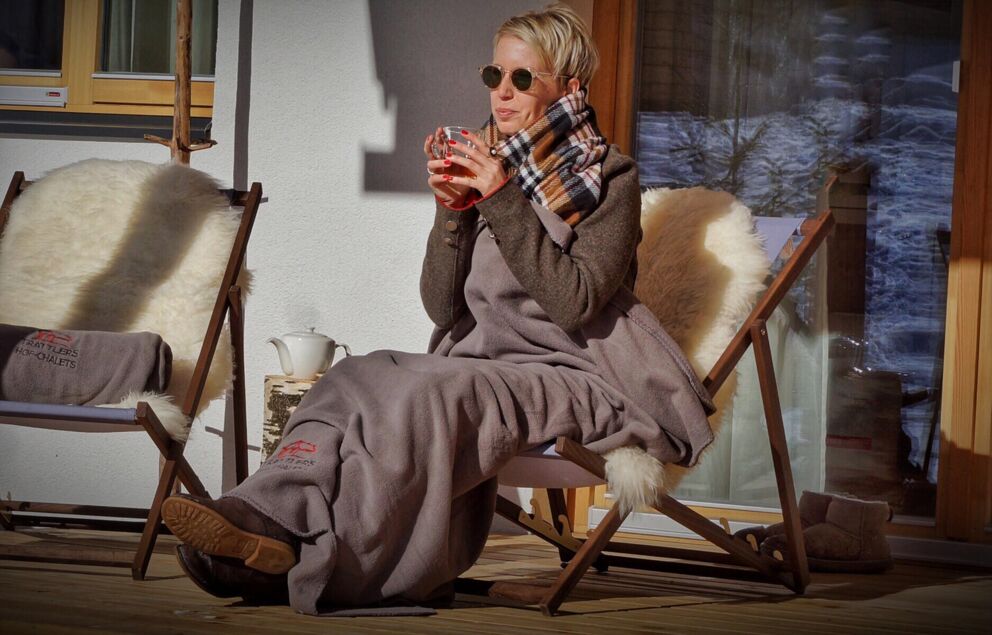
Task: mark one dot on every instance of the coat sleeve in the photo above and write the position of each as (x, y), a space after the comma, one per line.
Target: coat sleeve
(446, 264)
(573, 286)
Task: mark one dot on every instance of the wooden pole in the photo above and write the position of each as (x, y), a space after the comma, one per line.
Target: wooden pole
(179, 145)
(180, 118)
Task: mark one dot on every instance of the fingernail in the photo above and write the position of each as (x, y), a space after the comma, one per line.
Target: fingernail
(464, 131)
(447, 177)
(446, 162)
(452, 142)
(450, 154)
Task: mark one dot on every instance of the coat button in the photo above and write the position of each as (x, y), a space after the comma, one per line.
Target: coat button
(449, 241)
(451, 226)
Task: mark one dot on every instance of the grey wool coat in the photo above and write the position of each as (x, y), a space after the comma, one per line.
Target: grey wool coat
(387, 468)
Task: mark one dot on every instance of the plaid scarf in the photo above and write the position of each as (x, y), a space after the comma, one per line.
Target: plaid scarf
(558, 159)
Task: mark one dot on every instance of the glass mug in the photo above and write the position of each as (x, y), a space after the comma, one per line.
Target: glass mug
(439, 148)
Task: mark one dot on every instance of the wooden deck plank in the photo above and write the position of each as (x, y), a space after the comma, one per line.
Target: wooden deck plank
(58, 598)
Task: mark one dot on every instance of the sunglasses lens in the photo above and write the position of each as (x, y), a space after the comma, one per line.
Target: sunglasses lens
(521, 79)
(491, 76)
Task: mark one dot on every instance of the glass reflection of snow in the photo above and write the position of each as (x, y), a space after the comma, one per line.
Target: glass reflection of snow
(775, 163)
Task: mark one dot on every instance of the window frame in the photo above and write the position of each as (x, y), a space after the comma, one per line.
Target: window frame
(91, 91)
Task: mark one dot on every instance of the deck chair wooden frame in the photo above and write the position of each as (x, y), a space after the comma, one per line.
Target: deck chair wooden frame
(739, 559)
(228, 305)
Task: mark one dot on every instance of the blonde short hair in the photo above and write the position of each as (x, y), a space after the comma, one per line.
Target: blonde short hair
(559, 36)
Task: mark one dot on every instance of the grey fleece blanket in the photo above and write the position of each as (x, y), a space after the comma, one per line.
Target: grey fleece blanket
(80, 367)
(386, 471)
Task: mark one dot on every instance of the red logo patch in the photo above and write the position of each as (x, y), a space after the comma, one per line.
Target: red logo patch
(51, 337)
(296, 448)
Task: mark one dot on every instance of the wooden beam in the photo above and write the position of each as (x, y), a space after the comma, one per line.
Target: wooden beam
(583, 559)
(180, 121)
(602, 88)
(236, 318)
(149, 92)
(197, 382)
(180, 145)
(581, 456)
(15, 187)
(611, 91)
(80, 45)
(780, 456)
(772, 297)
(963, 483)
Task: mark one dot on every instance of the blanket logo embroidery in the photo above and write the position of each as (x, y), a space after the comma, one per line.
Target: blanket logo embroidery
(50, 347)
(53, 337)
(296, 448)
(295, 456)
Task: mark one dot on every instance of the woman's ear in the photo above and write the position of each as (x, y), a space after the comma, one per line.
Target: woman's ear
(573, 85)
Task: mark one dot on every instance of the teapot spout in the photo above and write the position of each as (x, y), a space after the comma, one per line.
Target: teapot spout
(284, 358)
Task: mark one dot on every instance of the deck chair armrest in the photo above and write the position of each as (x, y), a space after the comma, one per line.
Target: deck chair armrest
(581, 456)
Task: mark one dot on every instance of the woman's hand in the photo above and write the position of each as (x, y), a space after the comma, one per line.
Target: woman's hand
(449, 193)
(480, 171)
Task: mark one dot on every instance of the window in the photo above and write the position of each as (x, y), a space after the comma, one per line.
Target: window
(134, 40)
(758, 99)
(31, 36)
(101, 56)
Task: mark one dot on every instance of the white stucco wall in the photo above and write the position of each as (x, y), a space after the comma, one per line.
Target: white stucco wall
(118, 469)
(326, 251)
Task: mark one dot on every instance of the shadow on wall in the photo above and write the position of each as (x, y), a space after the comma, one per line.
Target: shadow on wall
(427, 53)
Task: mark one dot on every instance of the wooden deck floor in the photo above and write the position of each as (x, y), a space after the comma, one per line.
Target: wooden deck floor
(58, 598)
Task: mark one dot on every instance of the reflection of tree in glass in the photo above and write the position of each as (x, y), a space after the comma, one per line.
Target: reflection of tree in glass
(779, 199)
(722, 146)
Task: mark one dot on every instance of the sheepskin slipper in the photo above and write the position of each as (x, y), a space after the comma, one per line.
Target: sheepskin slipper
(851, 538)
(812, 511)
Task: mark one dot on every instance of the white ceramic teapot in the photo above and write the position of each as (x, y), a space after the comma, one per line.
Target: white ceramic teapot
(304, 354)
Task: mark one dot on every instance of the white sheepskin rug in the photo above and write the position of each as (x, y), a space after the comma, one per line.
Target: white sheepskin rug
(701, 267)
(124, 246)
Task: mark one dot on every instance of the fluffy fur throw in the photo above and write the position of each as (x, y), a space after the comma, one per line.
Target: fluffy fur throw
(700, 249)
(123, 246)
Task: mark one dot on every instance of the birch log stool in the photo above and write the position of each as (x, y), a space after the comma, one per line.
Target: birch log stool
(282, 395)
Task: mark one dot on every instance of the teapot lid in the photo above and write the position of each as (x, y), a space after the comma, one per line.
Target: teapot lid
(310, 333)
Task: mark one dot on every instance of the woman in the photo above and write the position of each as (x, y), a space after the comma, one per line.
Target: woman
(383, 488)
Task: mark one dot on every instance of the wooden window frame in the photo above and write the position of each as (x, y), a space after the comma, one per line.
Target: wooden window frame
(612, 89)
(89, 94)
(964, 482)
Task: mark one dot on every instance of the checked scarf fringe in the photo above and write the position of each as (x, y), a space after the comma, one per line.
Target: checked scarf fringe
(558, 159)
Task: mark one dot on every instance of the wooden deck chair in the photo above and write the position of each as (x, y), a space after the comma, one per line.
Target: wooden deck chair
(190, 243)
(567, 464)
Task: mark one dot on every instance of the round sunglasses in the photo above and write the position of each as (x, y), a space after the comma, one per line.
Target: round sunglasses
(521, 78)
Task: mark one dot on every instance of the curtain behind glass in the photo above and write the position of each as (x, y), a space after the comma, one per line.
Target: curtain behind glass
(31, 34)
(738, 468)
(139, 36)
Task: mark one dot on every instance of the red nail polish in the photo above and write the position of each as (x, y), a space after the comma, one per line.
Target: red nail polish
(452, 142)
(446, 162)
(450, 154)
(464, 131)
(447, 177)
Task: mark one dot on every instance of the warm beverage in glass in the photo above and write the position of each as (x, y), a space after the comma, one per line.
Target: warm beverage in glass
(440, 148)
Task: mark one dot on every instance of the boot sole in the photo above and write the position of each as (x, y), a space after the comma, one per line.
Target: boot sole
(206, 530)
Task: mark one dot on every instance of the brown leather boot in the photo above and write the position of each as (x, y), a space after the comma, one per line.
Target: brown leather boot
(228, 578)
(851, 538)
(812, 511)
(231, 528)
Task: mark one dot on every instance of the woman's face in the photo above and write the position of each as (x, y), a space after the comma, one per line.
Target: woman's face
(512, 109)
